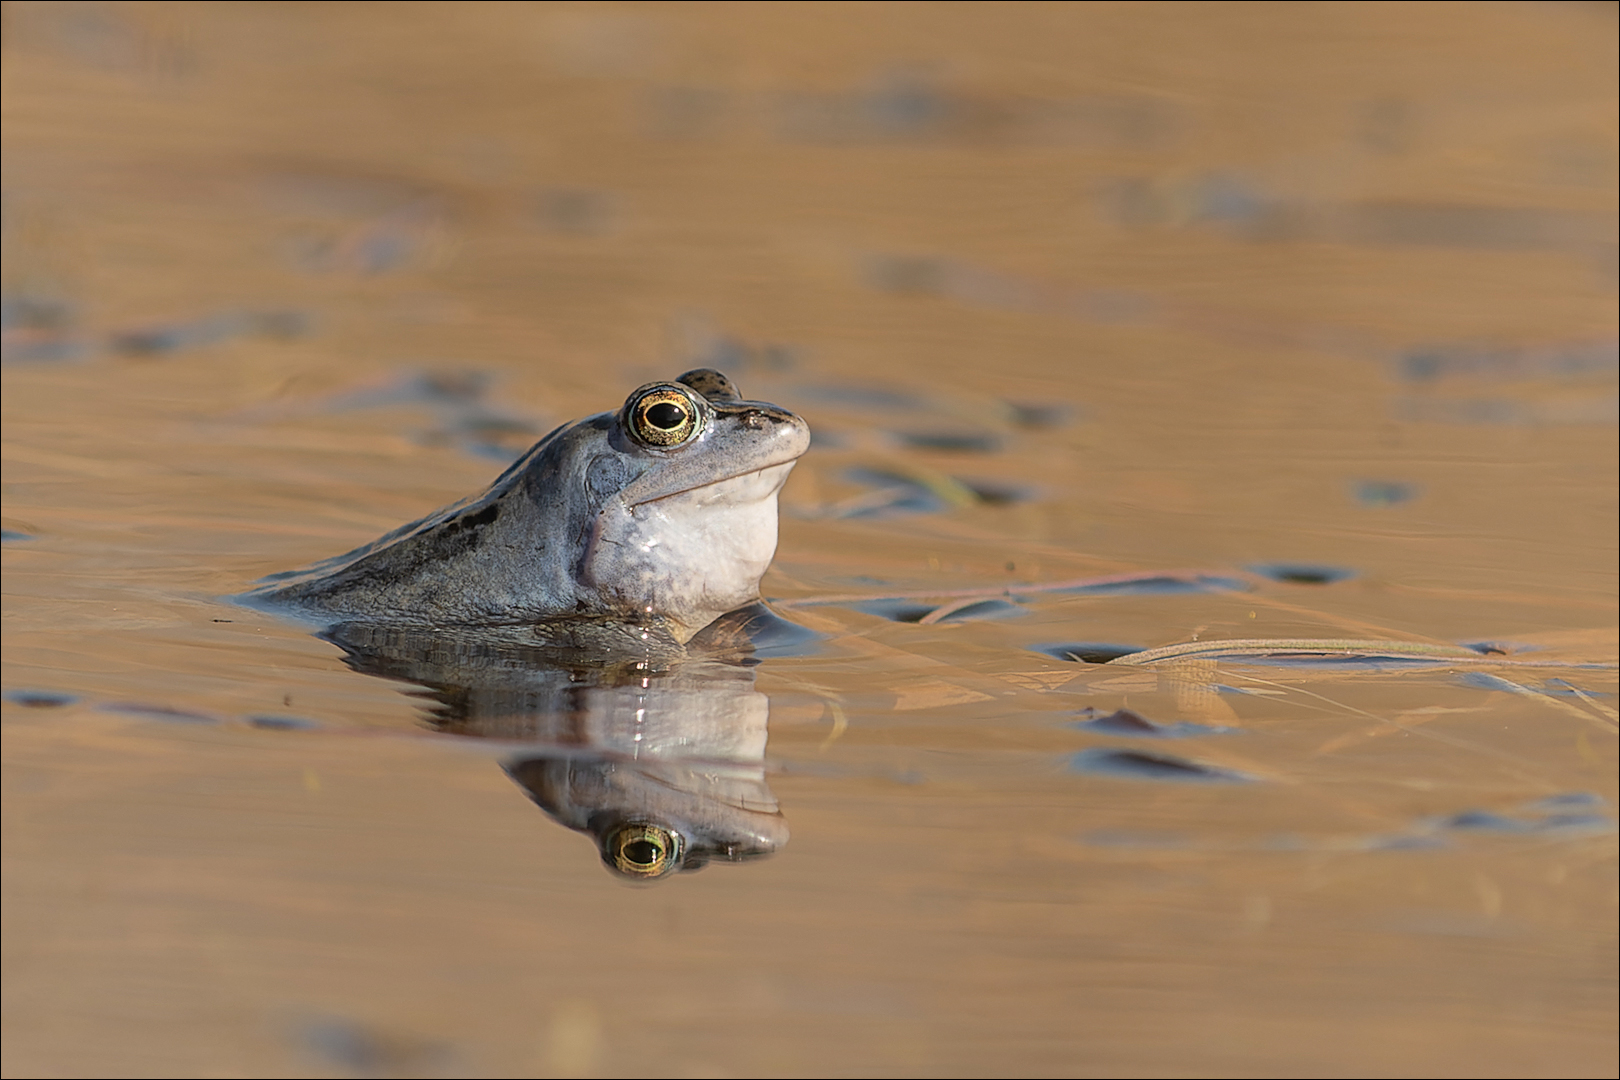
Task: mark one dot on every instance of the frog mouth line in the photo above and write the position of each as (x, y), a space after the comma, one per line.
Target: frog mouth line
(723, 480)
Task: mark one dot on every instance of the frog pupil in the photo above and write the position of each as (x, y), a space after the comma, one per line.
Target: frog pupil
(642, 852)
(665, 416)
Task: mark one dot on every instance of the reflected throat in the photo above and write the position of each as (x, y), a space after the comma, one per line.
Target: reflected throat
(661, 764)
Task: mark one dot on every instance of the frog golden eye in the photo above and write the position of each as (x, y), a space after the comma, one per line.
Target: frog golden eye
(663, 417)
(644, 851)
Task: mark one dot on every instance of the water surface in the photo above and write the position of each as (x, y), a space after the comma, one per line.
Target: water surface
(1119, 327)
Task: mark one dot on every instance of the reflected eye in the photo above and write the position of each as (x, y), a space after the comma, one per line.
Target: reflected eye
(644, 851)
(663, 417)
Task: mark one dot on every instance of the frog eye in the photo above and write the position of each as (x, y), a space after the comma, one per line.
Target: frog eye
(644, 851)
(663, 416)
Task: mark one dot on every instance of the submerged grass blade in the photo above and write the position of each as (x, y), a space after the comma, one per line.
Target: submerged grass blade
(1188, 577)
(1325, 647)
(1602, 719)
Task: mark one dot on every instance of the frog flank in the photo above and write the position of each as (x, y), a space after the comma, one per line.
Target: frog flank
(660, 514)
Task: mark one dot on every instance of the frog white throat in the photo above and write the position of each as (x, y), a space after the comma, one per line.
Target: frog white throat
(688, 557)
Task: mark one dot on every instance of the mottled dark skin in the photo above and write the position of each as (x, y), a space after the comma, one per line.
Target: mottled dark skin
(593, 525)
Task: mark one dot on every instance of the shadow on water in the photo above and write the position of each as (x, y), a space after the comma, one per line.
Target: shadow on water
(659, 758)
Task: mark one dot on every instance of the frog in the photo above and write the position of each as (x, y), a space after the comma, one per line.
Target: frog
(650, 521)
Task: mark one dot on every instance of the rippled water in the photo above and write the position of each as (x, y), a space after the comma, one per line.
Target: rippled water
(1287, 336)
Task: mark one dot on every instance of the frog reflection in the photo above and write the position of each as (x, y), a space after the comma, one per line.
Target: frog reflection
(659, 758)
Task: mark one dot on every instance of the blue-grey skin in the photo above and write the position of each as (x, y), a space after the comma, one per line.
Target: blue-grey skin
(592, 525)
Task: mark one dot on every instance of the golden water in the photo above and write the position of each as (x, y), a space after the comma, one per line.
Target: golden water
(1184, 288)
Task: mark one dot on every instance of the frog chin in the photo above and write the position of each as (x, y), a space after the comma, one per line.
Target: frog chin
(689, 557)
